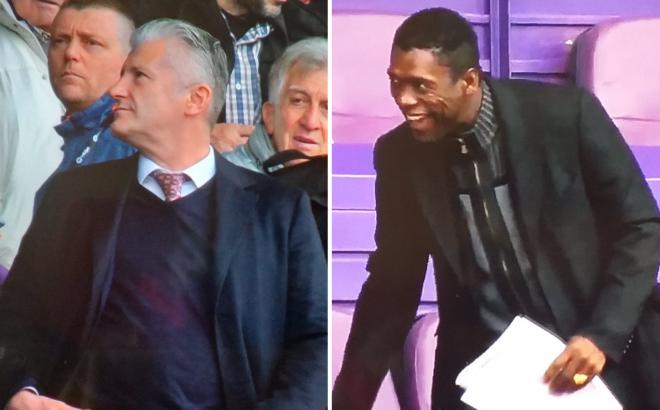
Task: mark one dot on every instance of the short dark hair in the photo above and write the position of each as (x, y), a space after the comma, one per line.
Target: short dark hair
(445, 33)
(124, 7)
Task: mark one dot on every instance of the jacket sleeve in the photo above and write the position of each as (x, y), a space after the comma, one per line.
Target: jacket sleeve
(40, 299)
(389, 298)
(301, 379)
(22, 313)
(623, 202)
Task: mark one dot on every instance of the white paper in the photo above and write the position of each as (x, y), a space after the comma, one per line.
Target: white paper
(509, 375)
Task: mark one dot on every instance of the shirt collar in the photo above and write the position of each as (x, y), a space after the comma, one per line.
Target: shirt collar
(199, 173)
(485, 126)
(255, 33)
(260, 145)
(96, 116)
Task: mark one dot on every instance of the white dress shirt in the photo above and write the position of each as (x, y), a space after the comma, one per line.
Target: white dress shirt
(199, 174)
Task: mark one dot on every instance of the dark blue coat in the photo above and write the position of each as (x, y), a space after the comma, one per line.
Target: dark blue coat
(270, 274)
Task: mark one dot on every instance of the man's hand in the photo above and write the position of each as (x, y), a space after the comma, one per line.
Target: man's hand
(580, 362)
(226, 137)
(26, 400)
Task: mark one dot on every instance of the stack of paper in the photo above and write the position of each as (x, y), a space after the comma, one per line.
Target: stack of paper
(509, 375)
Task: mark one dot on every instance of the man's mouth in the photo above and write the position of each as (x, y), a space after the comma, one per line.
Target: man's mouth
(51, 2)
(118, 107)
(416, 117)
(304, 140)
(70, 74)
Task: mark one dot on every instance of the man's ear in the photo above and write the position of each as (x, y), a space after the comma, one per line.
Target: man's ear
(268, 115)
(472, 80)
(199, 100)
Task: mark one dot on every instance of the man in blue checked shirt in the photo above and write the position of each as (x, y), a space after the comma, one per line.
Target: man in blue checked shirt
(253, 34)
(90, 41)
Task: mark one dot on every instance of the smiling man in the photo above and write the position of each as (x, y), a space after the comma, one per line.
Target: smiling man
(296, 115)
(90, 41)
(171, 279)
(529, 201)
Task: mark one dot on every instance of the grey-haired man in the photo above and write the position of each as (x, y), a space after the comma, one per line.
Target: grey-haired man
(170, 279)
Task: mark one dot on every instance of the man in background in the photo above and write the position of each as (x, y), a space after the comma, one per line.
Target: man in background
(254, 34)
(90, 41)
(29, 147)
(295, 117)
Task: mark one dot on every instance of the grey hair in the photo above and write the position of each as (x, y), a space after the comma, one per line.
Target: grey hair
(205, 60)
(311, 54)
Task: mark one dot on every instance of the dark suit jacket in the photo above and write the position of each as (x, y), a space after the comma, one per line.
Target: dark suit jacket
(269, 269)
(587, 216)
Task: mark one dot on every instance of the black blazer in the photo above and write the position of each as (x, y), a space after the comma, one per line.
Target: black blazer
(269, 270)
(589, 221)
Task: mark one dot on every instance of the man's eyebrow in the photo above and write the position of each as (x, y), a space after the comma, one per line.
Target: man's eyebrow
(297, 89)
(87, 34)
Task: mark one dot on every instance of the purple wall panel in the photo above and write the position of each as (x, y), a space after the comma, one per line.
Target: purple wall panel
(353, 159)
(597, 7)
(647, 157)
(654, 184)
(3, 274)
(353, 192)
(542, 49)
(353, 231)
(543, 77)
(348, 275)
(362, 129)
(409, 6)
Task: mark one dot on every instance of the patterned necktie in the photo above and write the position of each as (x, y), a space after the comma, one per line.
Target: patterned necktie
(170, 183)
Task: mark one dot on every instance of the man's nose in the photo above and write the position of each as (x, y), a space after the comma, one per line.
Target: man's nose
(72, 50)
(311, 120)
(405, 97)
(118, 91)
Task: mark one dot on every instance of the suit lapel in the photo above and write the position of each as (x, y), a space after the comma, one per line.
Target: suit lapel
(525, 160)
(430, 181)
(107, 211)
(235, 208)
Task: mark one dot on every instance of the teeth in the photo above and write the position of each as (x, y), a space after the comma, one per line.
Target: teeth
(415, 117)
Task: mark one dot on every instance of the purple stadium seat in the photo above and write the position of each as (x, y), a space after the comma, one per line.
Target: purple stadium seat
(341, 325)
(418, 361)
(618, 61)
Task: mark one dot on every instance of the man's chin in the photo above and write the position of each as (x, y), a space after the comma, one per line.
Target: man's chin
(120, 131)
(271, 11)
(426, 135)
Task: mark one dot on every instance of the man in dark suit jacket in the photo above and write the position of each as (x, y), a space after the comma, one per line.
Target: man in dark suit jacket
(579, 219)
(170, 279)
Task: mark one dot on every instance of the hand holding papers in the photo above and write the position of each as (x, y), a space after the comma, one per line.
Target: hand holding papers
(574, 367)
(509, 375)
